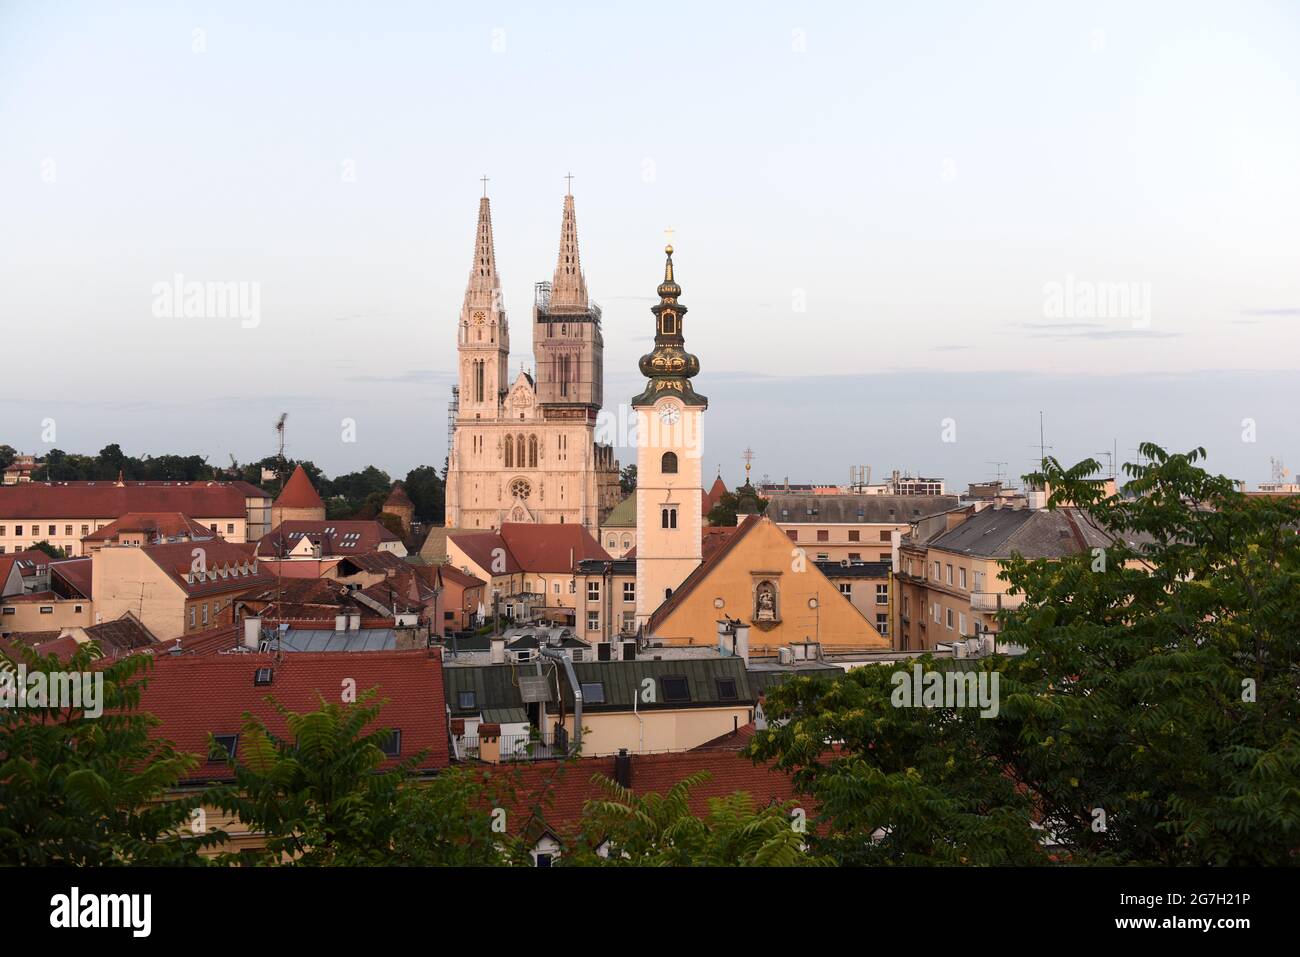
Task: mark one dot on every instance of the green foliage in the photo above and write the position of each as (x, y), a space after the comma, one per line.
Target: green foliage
(7, 455)
(1156, 696)
(86, 791)
(661, 831)
(627, 479)
(427, 493)
(51, 550)
(727, 509)
(323, 799)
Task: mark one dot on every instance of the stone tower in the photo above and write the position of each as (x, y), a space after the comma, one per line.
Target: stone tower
(484, 338)
(670, 488)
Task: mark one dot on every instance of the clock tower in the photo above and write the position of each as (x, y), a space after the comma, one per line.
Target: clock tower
(670, 490)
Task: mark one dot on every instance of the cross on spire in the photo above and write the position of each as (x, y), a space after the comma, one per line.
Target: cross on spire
(484, 180)
(569, 179)
(748, 456)
(669, 234)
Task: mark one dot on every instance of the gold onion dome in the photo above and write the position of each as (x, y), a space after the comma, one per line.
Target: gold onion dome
(669, 367)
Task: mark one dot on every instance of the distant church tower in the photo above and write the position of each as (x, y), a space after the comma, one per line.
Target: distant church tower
(669, 475)
(524, 450)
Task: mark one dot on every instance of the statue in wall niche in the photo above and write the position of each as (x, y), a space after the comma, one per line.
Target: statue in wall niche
(765, 602)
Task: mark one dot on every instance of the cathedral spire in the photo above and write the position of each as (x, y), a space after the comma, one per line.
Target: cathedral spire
(483, 290)
(569, 288)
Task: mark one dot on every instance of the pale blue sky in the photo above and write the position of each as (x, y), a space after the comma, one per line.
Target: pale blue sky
(915, 174)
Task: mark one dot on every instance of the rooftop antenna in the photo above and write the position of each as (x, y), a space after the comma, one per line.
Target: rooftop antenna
(998, 469)
(279, 431)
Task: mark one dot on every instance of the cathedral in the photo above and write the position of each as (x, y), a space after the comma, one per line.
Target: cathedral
(525, 450)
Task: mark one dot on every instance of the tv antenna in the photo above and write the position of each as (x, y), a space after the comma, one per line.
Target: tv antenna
(279, 431)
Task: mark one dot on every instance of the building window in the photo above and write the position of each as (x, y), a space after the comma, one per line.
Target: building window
(949, 574)
(949, 618)
(855, 556)
(593, 692)
(823, 556)
(882, 594)
(67, 530)
(193, 615)
(727, 689)
(675, 688)
(936, 571)
(669, 517)
(230, 528)
(961, 576)
(794, 534)
(855, 535)
(224, 744)
(392, 745)
(823, 535)
(629, 591)
(668, 464)
(882, 623)
(467, 701)
(205, 613)
(85, 530)
(593, 621)
(846, 589)
(51, 529)
(532, 455)
(885, 535)
(961, 623)
(510, 452)
(47, 609)
(593, 591)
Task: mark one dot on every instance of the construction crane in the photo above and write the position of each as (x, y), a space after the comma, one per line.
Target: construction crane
(279, 430)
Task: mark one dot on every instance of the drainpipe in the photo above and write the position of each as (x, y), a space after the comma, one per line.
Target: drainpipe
(637, 714)
(557, 655)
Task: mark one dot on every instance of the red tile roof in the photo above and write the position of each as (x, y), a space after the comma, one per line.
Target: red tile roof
(713, 495)
(334, 537)
(532, 547)
(560, 789)
(30, 561)
(110, 500)
(398, 497)
(450, 573)
(154, 525)
(122, 636)
(298, 492)
(195, 696)
(44, 643)
(726, 539)
(75, 575)
(177, 558)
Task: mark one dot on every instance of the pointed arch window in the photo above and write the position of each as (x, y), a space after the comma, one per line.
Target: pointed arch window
(510, 452)
(532, 451)
(668, 464)
(519, 444)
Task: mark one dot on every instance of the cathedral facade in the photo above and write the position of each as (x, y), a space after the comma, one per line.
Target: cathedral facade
(524, 450)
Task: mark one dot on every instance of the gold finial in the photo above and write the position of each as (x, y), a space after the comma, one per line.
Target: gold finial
(668, 250)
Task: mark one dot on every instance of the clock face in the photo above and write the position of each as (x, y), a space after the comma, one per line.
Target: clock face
(669, 415)
(479, 317)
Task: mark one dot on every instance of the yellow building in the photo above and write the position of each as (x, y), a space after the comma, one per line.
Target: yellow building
(759, 577)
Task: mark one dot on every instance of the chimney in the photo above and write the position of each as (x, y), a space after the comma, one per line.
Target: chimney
(340, 622)
(623, 768)
(252, 632)
(354, 621)
(498, 650)
(489, 743)
(742, 641)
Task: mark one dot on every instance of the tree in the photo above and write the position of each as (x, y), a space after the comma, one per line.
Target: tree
(1152, 718)
(7, 455)
(322, 797)
(627, 479)
(660, 830)
(427, 492)
(81, 790)
(727, 509)
(47, 548)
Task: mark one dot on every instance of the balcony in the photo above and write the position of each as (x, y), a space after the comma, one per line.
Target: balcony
(993, 601)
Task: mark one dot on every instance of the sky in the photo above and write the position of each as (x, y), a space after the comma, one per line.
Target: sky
(902, 230)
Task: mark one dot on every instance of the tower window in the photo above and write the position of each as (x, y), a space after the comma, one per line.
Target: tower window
(510, 452)
(668, 464)
(669, 517)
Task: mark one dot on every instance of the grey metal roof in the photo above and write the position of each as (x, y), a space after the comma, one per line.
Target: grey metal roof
(367, 639)
(855, 509)
(763, 678)
(1032, 533)
(496, 686)
(834, 570)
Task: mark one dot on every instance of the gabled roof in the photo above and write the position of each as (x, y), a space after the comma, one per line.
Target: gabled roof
(230, 566)
(194, 696)
(74, 576)
(334, 537)
(531, 548)
(452, 574)
(121, 636)
(54, 500)
(30, 562)
(398, 497)
(298, 492)
(720, 551)
(157, 526)
(713, 496)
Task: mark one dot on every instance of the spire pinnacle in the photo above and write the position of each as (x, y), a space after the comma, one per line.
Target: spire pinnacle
(669, 367)
(569, 287)
(482, 289)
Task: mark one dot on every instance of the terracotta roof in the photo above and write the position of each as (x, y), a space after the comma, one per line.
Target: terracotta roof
(726, 539)
(75, 574)
(382, 561)
(731, 741)
(398, 497)
(194, 696)
(30, 597)
(479, 548)
(334, 537)
(109, 500)
(550, 795)
(156, 525)
(176, 559)
(209, 642)
(453, 574)
(121, 636)
(298, 492)
(44, 643)
(712, 496)
(30, 561)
